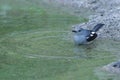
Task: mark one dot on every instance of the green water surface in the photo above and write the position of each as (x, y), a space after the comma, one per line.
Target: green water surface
(36, 44)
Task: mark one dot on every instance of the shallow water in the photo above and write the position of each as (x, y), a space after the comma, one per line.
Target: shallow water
(36, 44)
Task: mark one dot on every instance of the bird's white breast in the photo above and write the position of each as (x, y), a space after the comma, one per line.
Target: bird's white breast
(79, 39)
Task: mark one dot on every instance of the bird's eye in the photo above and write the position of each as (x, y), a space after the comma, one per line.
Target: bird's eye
(79, 30)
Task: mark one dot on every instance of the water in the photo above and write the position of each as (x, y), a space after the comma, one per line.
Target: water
(36, 44)
(4, 10)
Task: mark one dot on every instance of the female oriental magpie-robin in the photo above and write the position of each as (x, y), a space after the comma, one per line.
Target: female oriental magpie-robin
(84, 36)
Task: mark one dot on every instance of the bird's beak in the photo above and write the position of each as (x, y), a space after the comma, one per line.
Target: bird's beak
(74, 31)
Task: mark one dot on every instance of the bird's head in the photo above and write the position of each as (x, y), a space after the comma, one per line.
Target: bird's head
(77, 29)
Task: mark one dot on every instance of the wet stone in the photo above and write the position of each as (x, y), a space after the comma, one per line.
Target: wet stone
(113, 67)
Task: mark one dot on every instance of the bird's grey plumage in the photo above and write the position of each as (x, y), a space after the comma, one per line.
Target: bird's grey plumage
(82, 36)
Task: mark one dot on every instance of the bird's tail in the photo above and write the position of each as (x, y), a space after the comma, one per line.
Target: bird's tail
(97, 27)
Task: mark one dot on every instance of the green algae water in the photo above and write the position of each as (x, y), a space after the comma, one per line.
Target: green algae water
(36, 44)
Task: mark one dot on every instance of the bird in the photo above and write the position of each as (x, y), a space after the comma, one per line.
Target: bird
(85, 36)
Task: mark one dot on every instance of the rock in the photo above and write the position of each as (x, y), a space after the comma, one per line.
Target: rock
(113, 67)
(106, 12)
(103, 11)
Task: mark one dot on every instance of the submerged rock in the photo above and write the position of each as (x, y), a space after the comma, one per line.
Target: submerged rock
(113, 67)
